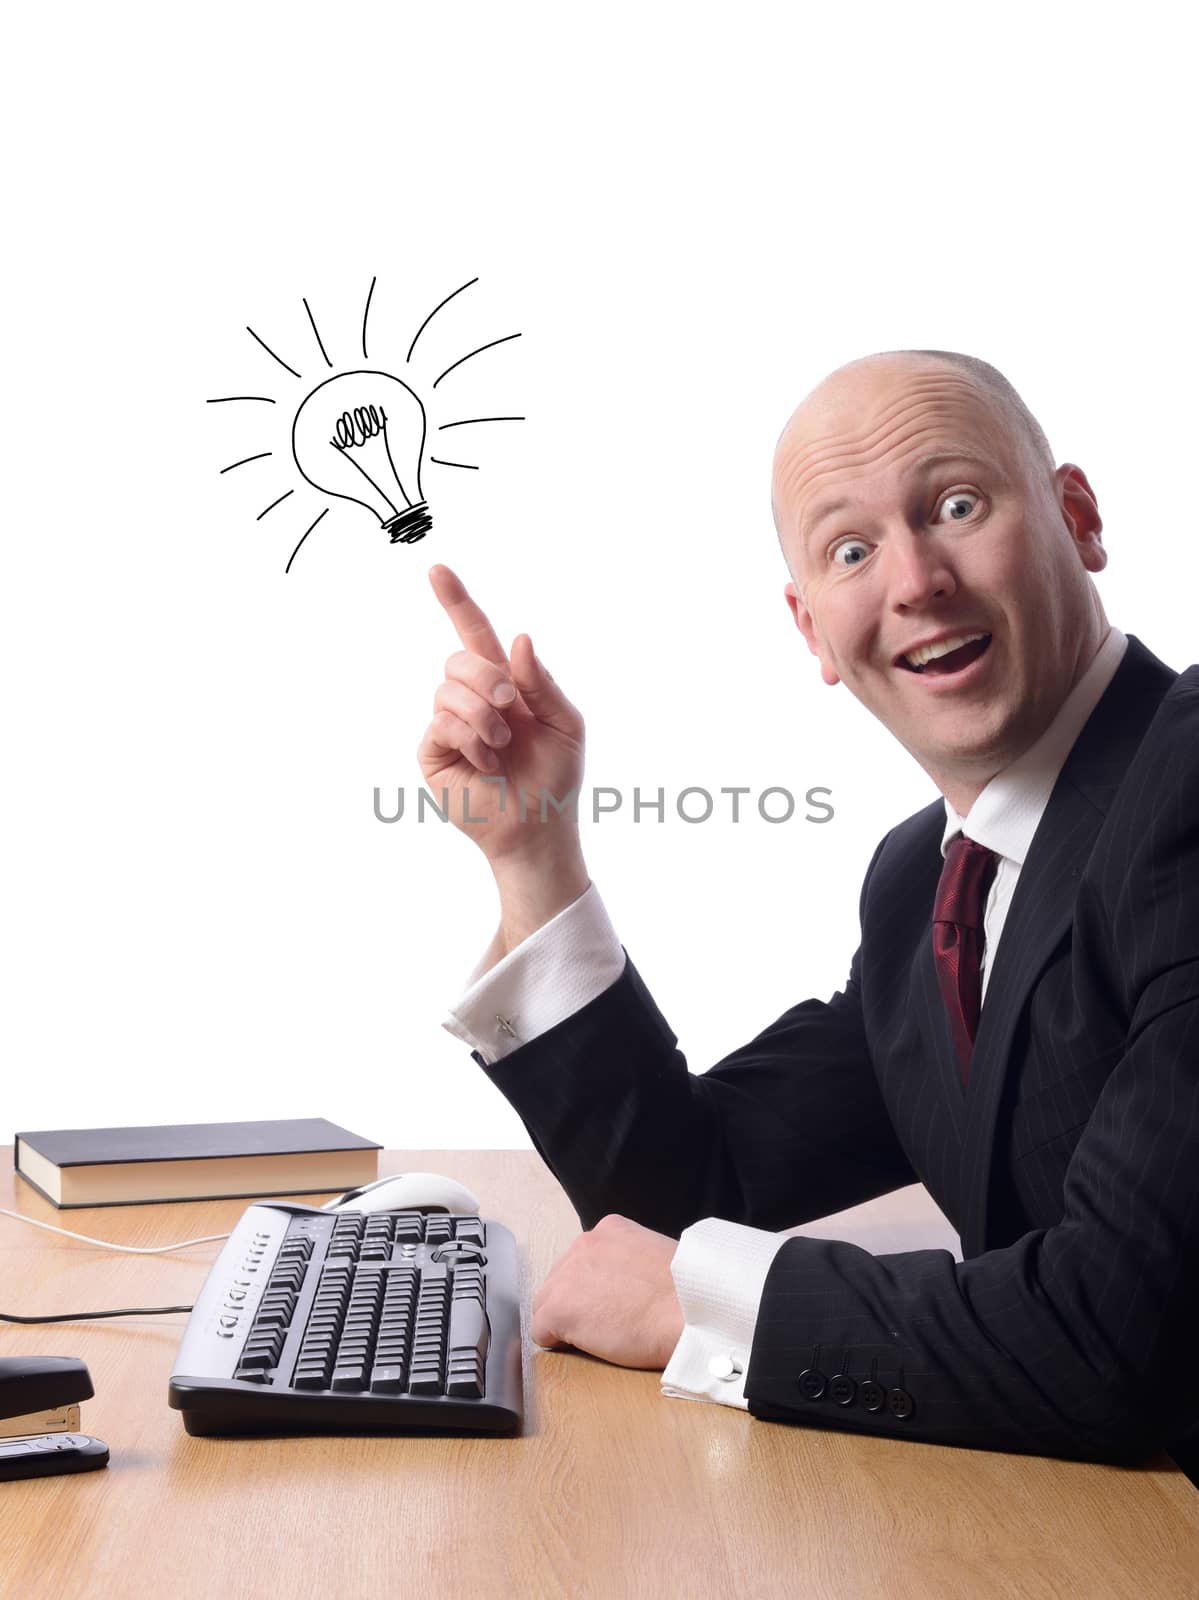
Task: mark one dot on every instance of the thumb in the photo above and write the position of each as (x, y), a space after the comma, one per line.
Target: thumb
(538, 690)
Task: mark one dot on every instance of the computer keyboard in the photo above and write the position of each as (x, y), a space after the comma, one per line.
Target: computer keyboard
(340, 1321)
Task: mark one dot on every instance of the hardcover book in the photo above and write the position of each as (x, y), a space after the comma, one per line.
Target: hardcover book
(193, 1161)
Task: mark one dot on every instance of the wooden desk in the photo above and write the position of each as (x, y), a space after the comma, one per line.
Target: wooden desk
(612, 1490)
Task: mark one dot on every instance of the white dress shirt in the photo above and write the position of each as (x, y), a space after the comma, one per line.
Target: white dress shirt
(719, 1268)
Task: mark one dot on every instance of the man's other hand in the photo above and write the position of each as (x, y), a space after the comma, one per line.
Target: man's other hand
(612, 1295)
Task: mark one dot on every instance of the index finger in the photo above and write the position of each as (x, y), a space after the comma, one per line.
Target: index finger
(470, 622)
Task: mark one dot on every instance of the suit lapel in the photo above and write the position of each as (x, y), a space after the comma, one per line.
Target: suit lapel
(1042, 907)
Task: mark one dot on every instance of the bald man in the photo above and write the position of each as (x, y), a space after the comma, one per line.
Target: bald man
(1020, 1026)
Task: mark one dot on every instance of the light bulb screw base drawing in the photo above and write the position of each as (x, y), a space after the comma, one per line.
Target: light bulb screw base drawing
(409, 525)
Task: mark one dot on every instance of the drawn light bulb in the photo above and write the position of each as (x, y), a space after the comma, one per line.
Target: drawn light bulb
(360, 436)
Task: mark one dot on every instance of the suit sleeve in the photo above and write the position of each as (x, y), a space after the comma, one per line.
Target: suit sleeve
(789, 1127)
(1077, 1339)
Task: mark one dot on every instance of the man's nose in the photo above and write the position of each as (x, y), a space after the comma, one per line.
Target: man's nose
(917, 570)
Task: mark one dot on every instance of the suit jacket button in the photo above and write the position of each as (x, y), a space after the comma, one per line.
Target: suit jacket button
(900, 1403)
(843, 1389)
(873, 1397)
(812, 1383)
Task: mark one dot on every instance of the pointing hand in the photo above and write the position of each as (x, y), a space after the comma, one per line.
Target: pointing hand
(501, 717)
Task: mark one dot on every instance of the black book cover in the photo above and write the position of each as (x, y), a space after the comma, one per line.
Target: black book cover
(189, 1141)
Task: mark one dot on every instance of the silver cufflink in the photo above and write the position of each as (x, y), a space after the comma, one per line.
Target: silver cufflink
(723, 1367)
(505, 1026)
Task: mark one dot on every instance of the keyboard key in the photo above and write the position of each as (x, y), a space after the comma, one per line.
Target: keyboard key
(349, 1378)
(469, 1331)
(425, 1380)
(387, 1379)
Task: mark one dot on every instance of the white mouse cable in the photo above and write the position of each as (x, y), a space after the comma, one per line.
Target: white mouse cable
(104, 1244)
(144, 1250)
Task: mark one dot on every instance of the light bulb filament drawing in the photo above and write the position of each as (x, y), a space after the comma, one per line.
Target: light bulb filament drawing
(365, 423)
(360, 435)
(354, 430)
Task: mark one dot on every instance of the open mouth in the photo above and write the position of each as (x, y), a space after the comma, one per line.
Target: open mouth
(948, 656)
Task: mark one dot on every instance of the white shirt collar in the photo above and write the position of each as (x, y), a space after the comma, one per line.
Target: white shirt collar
(1008, 811)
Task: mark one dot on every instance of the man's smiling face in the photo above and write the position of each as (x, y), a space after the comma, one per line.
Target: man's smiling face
(941, 564)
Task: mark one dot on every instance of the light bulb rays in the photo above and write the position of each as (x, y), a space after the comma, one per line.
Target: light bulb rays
(360, 435)
(304, 536)
(286, 495)
(429, 319)
(316, 333)
(365, 314)
(466, 422)
(478, 352)
(245, 461)
(273, 356)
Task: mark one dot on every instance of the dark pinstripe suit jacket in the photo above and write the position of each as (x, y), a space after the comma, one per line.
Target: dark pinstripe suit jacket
(1069, 1166)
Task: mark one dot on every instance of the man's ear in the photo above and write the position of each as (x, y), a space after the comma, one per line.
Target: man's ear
(806, 626)
(1080, 510)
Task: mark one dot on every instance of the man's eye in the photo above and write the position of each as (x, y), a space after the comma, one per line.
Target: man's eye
(851, 552)
(959, 505)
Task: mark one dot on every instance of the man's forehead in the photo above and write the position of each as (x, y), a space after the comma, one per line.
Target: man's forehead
(861, 408)
(862, 418)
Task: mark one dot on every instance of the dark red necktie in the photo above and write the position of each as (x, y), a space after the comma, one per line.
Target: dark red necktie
(958, 939)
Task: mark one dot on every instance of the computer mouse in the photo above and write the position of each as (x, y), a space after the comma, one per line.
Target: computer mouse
(409, 1191)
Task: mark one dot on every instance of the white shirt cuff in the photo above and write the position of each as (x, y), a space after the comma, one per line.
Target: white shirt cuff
(719, 1272)
(556, 971)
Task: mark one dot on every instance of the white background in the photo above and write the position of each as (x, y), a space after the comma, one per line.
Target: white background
(690, 215)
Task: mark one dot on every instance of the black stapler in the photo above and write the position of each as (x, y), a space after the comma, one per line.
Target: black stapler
(39, 1417)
